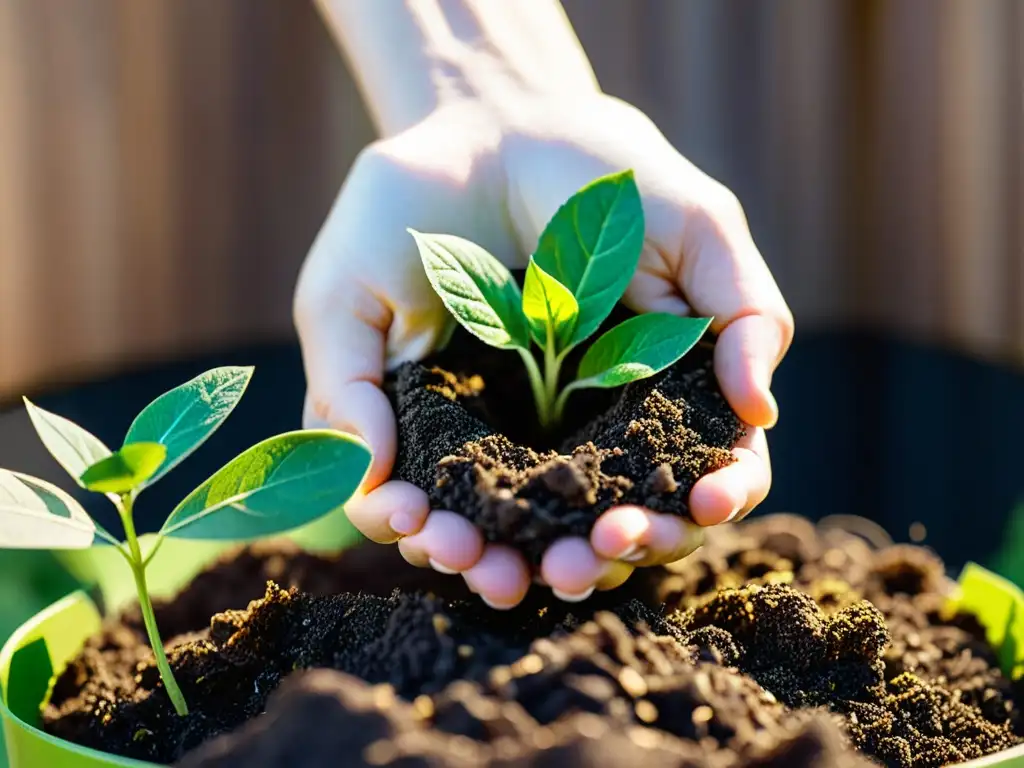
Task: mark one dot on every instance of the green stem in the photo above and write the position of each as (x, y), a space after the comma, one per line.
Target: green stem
(536, 384)
(552, 366)
(152, 553)
(146, 605)
(559, 407)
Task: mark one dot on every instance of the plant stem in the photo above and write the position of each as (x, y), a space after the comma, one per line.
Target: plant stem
(146, 606)
(537, 385)
(559, 406)
(552, 366)
(152, 553)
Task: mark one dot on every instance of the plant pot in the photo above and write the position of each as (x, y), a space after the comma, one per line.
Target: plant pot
(43, 645)
(47, 642)
(28, 661)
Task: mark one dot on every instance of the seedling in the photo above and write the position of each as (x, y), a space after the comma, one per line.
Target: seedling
(279, 484)
(585, 259)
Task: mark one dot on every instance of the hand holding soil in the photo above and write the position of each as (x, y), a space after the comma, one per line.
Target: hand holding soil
(493, 166)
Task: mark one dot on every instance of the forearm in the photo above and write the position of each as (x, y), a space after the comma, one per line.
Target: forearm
(412, 56)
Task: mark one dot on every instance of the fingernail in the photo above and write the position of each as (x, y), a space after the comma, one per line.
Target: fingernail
(403, 522)
(734, 513)
(572, 598)
(441, 568)
(495, 606)
(630, 550)
(634, 554)
(774, 407)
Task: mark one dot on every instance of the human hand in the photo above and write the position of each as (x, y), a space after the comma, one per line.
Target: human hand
(495, 175)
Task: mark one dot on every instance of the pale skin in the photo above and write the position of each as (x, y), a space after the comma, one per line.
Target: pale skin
(490, 117)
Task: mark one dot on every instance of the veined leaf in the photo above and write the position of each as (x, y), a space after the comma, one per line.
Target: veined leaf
(999, 605)
(126, 469)
(277, 485)
(592, 246)
(35, 514)
(476, 288)
(183, 418)
(74, 447)
(548, 304)
(637, 348)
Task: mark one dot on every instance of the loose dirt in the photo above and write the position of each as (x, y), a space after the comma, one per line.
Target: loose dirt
(776, 644)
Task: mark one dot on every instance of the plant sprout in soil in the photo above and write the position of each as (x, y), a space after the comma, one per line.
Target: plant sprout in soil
(277, 485)
(584, 260)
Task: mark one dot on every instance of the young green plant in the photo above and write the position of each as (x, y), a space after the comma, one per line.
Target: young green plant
(585, 259)
(279, 484)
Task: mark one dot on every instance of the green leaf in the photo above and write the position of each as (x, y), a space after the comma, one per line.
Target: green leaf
(277, 485)
(476, 288)
(548, 304)
(183, 418)
(592, 246)
(75, 448)
(637, 348)
(998, 605)
(35, 514)
(125, 470)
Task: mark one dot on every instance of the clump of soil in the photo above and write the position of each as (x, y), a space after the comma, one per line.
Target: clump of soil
(468, 436)
(776, 644)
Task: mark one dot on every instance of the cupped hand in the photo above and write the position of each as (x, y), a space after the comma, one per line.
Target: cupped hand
(496, 175)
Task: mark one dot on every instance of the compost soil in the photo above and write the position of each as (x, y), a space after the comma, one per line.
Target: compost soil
(469, 436)
(775, 644)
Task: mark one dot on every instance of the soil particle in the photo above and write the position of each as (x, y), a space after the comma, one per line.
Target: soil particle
(462, 440)
(683, 669)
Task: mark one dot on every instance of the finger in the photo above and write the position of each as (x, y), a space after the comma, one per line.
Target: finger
(701, 259)
(618, 532)
(724, 276)
(730, 493)
(448, 543)
(665, 539)
(572, 569)
(746, 354)
(343, 341)
(501, 577)
(389, 511)
(616, 575)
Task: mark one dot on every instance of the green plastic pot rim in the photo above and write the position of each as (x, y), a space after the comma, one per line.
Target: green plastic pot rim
(1011, 758)
(13, 644)
(1008, 758)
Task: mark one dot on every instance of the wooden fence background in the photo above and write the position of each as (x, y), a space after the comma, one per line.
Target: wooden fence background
(165, 164)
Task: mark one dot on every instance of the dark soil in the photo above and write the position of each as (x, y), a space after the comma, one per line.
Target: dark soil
(776, 644)
(469, 437)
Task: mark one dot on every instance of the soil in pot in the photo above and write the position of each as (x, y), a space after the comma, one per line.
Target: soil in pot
(776, 644)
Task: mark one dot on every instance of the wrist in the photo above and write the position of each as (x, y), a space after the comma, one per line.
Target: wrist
(412, 57)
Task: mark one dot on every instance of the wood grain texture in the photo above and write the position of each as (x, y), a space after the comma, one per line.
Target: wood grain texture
(164, 165)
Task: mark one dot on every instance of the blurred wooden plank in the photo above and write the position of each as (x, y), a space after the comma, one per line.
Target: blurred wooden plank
(165, 165)
(150, 158)
(18, 232)
(805, 197)
(904, 206)
(975, 148)
(1013, 38)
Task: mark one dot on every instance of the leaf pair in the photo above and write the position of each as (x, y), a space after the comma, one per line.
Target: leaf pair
(585, 259)
(276, 485)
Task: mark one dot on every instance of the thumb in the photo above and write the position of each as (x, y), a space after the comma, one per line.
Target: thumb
(710, 266)
(342, 339)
